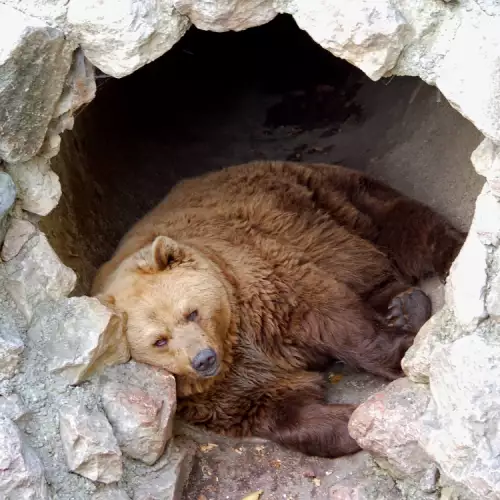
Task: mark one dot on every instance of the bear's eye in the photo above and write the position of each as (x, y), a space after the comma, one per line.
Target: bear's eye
(192, 316)
(161, 342)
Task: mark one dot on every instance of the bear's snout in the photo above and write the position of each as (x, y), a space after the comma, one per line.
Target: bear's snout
(205, 363)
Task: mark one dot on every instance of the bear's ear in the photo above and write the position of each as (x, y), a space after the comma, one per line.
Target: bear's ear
(164, 253)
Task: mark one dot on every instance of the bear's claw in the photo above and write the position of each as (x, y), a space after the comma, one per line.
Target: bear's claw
(409, 310)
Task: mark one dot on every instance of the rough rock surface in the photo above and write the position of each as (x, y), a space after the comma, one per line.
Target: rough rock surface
(140, 403)
(165, 481)
(486, 160)
(38, 186)
(12, 407)
(459, 429)
(441, 329)
(21, 471)
(7, 199)
(125, 35)
(34, 61)
(234, 15)
(79, 336)
(467, 283)
(89, 444)
(36, 274)
(370, 35)
(11, 348)
(110, 493)
(79, 89)
(387, 424)
(19, 232)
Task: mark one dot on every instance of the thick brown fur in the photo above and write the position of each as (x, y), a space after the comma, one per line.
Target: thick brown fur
(289, 267)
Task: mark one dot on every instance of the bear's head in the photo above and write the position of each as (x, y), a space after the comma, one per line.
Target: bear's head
(177, 307)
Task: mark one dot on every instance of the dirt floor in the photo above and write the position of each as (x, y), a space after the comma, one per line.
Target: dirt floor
(220, 99)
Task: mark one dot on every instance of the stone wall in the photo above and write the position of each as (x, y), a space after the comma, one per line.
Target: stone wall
(438, 426)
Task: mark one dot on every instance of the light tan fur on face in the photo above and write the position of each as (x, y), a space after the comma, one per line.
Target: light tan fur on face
(158, 287)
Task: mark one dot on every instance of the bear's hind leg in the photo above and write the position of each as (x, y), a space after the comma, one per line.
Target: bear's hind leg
(303, 421)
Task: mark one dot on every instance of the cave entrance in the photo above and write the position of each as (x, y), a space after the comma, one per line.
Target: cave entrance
(218, 99)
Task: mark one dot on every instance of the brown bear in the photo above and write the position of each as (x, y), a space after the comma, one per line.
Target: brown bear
(247, 282)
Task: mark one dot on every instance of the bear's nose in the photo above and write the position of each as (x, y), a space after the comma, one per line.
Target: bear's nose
(205, 361)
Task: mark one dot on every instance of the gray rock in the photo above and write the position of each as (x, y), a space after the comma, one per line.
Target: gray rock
(36, 275)
(12, 324)
(409, 490)
(388, 425)
(7, 193)
(89, 444)
(21, 472)
(11, 348)
(110, 493)
(39, 189)
(79, 89)
(19, 232)
(34, 62)
(486, 160)
(140, 403)
(486, 222)
(125, 36)
(493, 294)
(477, 34)
(467, 283)
(236, 15)
(51, 11)
(80, 336)
(440, 330)
(371, 36)
(459, 429)
(166, 481)
(7, 199)
(12, 406)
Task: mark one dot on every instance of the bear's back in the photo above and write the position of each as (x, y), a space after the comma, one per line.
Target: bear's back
(266, 214)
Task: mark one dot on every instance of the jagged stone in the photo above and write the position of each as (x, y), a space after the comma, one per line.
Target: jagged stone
(19, 232)
(34, 61)
(370, 35)
(440, 330)
(125, 35)
(486, 221)
(398, 406)
(11, 406)
(80, 336)
(12, 323)
(51, 11)
(458, 429)
(79, 89)
(11, 347)
(38, 186)
(486, 160)
(467, 283)
(236, 15)
(140, 403)
(7, 199)
(36, 275)
(89, 444)
(21, 471)
(166, 480)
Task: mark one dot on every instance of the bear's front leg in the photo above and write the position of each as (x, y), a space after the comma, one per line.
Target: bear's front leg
(301, 419)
